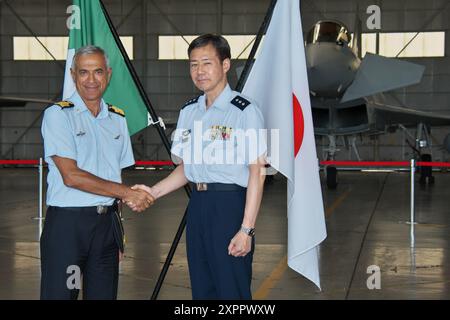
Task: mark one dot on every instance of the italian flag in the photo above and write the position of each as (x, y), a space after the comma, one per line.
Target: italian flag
(89, 26)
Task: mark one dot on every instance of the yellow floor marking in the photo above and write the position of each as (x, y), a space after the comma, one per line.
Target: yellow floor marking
(276, 274)
(336, 203)
(271, 280)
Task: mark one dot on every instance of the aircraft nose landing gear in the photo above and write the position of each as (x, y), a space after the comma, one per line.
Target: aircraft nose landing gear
(330, 170)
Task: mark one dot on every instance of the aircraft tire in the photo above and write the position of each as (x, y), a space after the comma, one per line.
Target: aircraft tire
(331, 175)
(426, 172)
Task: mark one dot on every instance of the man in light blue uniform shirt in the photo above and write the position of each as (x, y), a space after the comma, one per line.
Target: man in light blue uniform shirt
(220, 151)
(100, 145)
(86, 145)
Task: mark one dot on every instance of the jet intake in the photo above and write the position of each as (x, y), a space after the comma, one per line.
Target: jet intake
(337, 121)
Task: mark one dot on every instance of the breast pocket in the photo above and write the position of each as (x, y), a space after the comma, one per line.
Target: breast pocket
(240, 149)
(117, 144)
(184, 149)
(220, 152)
(85, 145)
(231, 155)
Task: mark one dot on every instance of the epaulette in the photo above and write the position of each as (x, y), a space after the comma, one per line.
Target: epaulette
(115, 110)
(189, 102)
(64, 104)
(240, 102)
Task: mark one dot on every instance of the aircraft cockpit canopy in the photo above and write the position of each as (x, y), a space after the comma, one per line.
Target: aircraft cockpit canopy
(329, 31)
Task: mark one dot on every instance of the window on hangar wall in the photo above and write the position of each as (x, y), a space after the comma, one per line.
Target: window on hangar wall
(175, 47)
(426, 44)
(28, 48)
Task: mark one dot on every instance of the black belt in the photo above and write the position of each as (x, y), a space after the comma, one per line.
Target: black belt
(99, 209)
(202, 186)
(105, 209)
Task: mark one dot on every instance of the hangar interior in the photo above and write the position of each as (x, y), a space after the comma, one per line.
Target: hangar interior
(366, 216)
(167, 81)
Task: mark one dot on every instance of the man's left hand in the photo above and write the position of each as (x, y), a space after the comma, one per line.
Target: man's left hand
(145, 188)
(240, 245)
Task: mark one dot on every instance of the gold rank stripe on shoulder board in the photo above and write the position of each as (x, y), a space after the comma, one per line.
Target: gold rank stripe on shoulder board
(64, 104)
(116, 110)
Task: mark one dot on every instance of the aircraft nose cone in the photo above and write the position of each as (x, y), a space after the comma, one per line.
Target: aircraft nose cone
(330, 68)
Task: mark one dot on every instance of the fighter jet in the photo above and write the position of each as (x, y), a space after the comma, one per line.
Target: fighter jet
(348, 93)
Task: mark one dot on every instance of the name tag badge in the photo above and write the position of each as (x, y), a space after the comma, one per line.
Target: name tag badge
(185, 135)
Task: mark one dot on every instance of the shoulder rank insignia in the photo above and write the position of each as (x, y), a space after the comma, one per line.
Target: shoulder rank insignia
(64, 104)
(189, 102)
(115, 110)
(240, 102)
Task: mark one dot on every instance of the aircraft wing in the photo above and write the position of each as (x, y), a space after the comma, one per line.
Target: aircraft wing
(379, 74)
(20, 101)
(392, 114)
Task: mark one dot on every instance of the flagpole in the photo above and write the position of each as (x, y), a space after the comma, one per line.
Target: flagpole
(135, 77)
(165, 141)
(262, 30)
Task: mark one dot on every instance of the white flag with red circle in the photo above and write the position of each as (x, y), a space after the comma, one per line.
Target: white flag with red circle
(278, 83)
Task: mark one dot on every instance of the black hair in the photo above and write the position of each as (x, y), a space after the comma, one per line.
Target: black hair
(218, 42)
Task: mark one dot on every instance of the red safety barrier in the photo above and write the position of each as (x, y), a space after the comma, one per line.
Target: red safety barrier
(29, 162)
(36, 162)
(367, 163)
(384, 163)
(433, 164)
(325, 163)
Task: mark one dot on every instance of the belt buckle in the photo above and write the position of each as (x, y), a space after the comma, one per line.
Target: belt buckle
(202, 186)
(102, 209)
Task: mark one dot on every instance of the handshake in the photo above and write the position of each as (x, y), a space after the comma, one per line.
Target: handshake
(139, 197)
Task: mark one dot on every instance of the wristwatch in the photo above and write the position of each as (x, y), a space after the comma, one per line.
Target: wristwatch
(248, 231)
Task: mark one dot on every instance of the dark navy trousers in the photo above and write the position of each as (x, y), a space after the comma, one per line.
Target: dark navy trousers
(79, 237)
(213, 219)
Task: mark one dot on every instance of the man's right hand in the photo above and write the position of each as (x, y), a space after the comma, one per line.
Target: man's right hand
(138, 200)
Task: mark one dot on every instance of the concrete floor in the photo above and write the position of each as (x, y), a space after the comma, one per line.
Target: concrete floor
(366, 226)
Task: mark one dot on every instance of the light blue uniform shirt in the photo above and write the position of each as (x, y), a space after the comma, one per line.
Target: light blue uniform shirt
(218, 144)
(100, 145)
